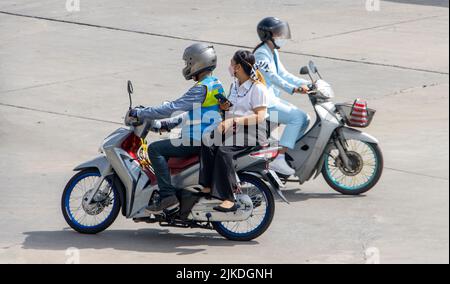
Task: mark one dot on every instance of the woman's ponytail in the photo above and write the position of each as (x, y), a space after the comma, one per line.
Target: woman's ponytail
(259, 77)
(248, 62)
(258, 46)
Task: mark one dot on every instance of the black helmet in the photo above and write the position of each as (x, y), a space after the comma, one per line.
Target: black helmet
(271, 27)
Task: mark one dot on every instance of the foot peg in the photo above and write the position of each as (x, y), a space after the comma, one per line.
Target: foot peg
(171, 210)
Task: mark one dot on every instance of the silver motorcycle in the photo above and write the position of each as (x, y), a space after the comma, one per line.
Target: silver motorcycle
(122, 179)
(350, 161)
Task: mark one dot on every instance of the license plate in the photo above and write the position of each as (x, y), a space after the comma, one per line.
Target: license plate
(276, 178)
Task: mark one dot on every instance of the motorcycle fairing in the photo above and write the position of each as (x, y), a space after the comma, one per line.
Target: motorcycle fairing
(309, 150)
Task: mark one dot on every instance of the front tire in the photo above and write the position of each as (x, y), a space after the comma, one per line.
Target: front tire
(95, 217)
(263, 199)
(336, 176)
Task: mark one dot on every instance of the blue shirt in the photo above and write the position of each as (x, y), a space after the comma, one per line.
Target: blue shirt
(276, 76)
(187, 110)
(175, 109)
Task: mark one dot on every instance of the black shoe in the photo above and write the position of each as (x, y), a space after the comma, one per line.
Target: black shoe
(227, 210)
(203, 194)
(168, 203)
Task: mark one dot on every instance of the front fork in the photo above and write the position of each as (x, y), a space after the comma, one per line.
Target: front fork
(341, 146)
(96, 188)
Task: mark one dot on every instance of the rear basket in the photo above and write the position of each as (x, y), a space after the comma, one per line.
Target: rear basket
(346, 110)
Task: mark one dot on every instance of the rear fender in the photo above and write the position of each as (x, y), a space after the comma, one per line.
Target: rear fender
(264, 175)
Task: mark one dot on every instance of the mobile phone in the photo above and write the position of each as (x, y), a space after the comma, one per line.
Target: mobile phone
(222, 99)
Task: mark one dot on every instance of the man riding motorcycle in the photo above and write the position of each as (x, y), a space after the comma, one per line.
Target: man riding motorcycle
(202, 106)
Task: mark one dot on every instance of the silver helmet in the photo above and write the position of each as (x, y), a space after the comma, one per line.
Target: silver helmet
(199, 57)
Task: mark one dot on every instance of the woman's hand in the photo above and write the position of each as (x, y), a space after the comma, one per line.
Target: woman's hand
(226, 125)
(225, 106)
(302, 89)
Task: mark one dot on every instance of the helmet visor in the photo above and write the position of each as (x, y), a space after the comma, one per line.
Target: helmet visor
(282, 31)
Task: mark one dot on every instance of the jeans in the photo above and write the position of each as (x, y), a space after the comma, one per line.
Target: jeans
(159, 153)
(296, 121)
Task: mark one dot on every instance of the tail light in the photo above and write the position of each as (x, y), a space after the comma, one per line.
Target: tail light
(267, 154)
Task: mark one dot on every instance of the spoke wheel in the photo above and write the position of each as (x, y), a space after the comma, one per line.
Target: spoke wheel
(94, 217)
(366, 166)
(262, 215)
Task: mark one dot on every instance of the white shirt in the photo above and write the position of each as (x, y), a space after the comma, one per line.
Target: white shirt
(246, 98)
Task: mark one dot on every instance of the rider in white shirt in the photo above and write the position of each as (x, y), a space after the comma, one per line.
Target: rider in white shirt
(248, 110)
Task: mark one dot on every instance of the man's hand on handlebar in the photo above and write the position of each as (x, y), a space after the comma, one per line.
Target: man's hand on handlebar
(131, 118)
(133, 113)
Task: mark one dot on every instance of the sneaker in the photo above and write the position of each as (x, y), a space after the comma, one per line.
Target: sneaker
(280, 165)
(168, 203)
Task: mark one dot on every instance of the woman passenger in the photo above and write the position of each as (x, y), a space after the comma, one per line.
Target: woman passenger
(248, 109)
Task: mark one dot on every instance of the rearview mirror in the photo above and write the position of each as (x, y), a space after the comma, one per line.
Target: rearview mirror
(313, 67)
(304, 70)
(130, 87)
(130, 91)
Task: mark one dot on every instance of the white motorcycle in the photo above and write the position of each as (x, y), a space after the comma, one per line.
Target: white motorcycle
(122, 179)
(350, 161)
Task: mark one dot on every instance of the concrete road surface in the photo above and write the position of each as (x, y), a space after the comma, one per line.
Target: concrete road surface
(62, 90)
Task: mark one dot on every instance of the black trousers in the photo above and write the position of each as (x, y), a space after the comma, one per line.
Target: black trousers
(217, 170)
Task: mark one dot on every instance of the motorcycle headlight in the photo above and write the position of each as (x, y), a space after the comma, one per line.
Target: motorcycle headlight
(324, 89)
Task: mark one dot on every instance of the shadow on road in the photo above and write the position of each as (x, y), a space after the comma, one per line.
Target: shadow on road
(143, 240)
(150, 240)
(295, 195)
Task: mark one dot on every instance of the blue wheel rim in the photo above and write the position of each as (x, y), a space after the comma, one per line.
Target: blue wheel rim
(71, 216)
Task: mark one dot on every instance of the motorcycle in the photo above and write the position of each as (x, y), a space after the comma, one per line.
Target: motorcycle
(350, 161)
(121, 179)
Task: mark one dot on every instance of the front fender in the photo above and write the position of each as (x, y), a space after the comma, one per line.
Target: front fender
(100, 162)
(104, 167)
(354, 134)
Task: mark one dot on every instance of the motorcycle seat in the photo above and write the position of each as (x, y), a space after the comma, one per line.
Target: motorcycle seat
(182, 163)
(185, 162)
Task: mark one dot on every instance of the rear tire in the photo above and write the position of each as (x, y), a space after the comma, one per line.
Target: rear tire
(270, 212)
